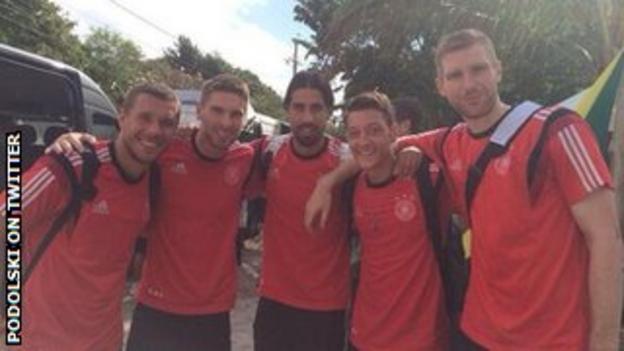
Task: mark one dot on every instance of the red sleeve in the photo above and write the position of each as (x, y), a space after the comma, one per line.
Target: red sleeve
(44, 194)
(431, 143)
(579, 167)
(428, 142)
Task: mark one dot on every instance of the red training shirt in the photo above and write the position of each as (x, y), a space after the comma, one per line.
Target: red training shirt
(72, 300)
(399, 303)
(302, 269)
(190, 263)
(528, 287)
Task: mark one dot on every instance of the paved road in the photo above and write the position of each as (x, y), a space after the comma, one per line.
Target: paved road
(243, 315)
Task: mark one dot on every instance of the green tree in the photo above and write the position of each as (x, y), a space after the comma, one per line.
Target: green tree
(39, 26)
(549, 49)
(188, 58)
(160, 70)
(263, 98)
(113, 62)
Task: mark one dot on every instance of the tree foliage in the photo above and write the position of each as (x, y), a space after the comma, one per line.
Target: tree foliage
(160, 70)
(112, 61)
(39, 26)
(549, 49)
(186, 57)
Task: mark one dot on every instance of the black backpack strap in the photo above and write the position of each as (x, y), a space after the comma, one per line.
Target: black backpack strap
(440, 144)
(476, 170)
(154, 185)
(90, 166)
(536, 153)
(439, 147)
(264, 159)
(503, 135)
(348, 194)
(429, 202)
(79, 190)
(256, 162)
(153, 196)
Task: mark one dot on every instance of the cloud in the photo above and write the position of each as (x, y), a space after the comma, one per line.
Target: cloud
(214, 26)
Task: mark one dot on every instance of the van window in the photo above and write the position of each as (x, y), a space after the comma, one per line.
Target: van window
(35, 97)
(100, 114)
(104, 125)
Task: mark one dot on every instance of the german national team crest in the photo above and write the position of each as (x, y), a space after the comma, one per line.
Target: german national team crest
(274, 173)
(179, 168)
(456, 165)
(232, 175)
(404, 210)
(501, 165)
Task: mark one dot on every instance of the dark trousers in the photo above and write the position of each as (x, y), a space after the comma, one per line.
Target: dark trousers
(280, 327)
(154, 330)
(466, 345)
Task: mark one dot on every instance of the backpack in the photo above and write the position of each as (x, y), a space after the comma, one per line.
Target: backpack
(449, 248)
(80, 192)
(500, 140)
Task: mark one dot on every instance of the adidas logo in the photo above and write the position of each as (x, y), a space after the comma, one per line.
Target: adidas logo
(179, 168)
(101, 208)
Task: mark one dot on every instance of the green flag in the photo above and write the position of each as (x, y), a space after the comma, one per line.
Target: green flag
(595, 103)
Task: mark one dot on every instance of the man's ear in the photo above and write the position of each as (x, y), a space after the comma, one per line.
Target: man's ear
(440, 85)
(121, 118)
(499, 70)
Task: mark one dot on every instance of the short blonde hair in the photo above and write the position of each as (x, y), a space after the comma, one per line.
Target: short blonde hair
(459, 40)
(371, 100)
(227, 83)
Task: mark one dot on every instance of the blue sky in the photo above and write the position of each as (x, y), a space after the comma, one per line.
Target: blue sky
(277, 16)
(251, 34)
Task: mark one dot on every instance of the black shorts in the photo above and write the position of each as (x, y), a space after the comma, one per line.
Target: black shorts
(155, 330)
(464, 344)
(279, 327)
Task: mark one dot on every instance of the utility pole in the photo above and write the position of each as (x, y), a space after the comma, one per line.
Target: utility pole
(295, 59)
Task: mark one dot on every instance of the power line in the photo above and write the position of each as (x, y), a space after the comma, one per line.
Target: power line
(87, 15)
(97, 23)
(23, 11)
(181, 61)
(143, 19)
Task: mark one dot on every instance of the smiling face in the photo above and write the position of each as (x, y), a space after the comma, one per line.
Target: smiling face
(147, 126)
(468, 78)
(222, 115)
(370, 138)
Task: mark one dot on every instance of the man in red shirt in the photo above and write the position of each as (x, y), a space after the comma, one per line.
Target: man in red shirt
(545, 259)
(304, 283)
(188, 281)
(399, 304)
(72, 300)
